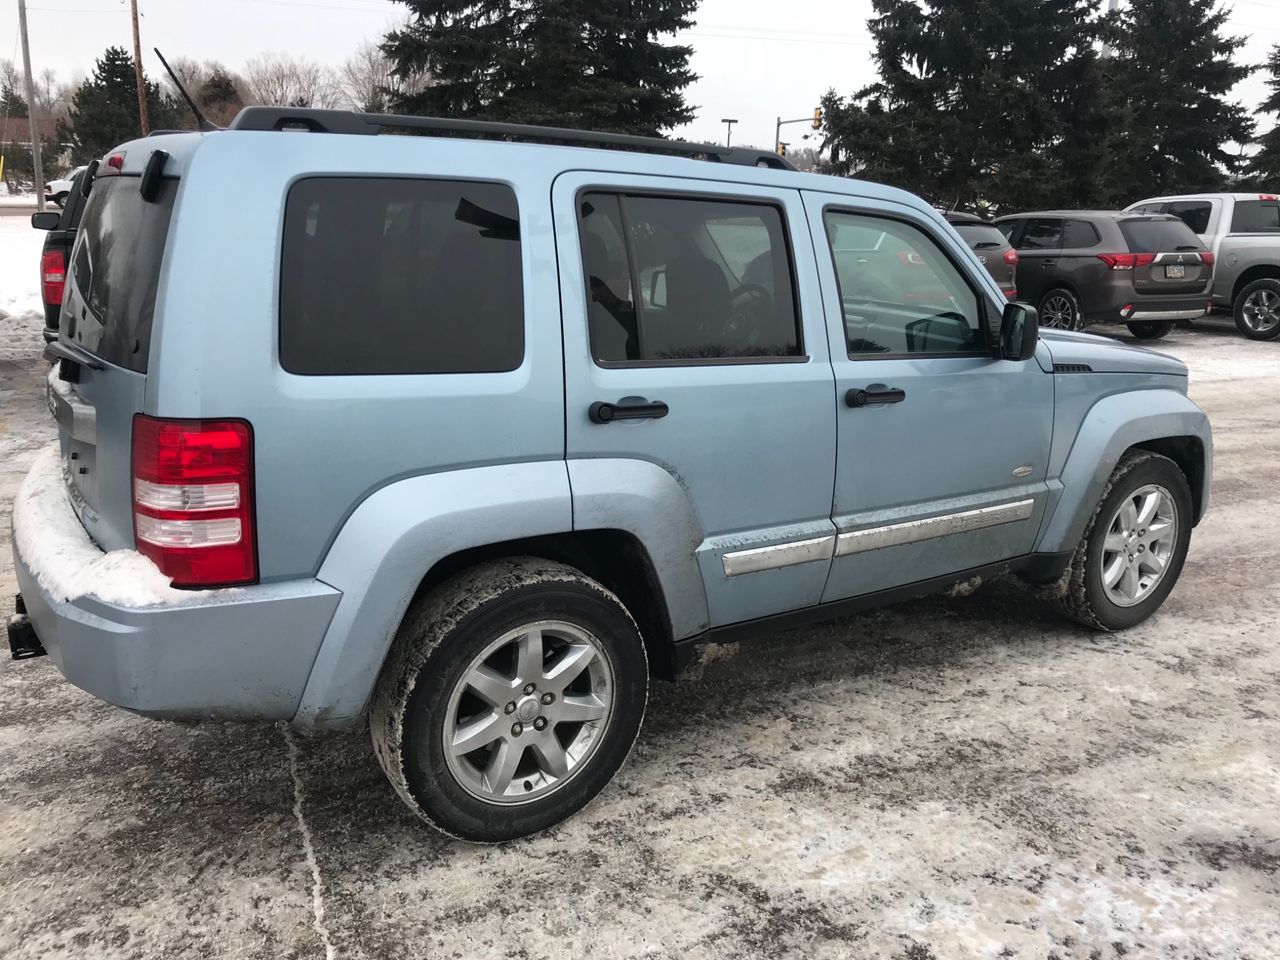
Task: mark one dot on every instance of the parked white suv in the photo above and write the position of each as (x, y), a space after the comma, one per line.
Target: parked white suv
(1242, 231)
(57, 191)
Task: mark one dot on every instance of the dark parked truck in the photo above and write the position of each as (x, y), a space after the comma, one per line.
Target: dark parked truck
(55, 256)
(1242, 230)
(1085, 267)
(469, 437)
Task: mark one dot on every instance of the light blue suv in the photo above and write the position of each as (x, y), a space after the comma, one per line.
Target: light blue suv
(470, 435)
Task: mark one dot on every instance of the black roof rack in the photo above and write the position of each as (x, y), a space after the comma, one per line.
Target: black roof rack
(349, 121)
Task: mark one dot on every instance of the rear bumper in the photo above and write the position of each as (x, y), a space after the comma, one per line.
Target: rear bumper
(242, 653)
(1140, 308)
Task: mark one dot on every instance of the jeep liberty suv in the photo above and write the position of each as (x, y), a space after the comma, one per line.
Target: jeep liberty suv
(469, 436)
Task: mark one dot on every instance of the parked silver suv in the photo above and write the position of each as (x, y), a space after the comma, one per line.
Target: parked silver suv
(470, 436)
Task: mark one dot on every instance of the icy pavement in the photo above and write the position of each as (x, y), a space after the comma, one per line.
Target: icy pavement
(943, 779)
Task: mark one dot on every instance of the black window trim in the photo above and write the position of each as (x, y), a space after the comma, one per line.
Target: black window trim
(617, 190)
(984, 304)
(278, 344)
(1041, 251)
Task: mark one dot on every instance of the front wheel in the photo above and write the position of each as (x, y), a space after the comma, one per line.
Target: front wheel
(1257, 309)
(512, 695)
(1134, 545)
(1151, 329)
(61, 200)
(1060, 310)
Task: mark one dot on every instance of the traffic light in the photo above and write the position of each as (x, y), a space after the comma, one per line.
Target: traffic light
(817, 118)
(782, 149)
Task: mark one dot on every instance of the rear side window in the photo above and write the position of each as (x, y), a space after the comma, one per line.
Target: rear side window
(400, 276)
(115, 269)
(682, 279)
(980, 236)
(1042, 233)
(1194, 213)
(1159, 236)
(1080, 233)
(1256, 216)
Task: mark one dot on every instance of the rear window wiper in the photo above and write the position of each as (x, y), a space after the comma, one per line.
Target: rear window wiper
(987, 243)
(1184, 247)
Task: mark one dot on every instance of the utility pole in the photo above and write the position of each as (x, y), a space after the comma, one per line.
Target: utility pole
(143, 119)
(728, 131)
(33, 110)
(1112, 6)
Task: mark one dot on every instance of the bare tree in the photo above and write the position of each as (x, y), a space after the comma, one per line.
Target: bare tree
(368, 81)
(190, 72)
(281, 80)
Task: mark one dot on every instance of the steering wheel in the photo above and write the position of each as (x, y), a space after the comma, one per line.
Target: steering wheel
(752, 303)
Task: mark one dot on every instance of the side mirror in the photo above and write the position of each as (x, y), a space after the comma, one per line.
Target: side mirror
(46, 221)
(1019, 331)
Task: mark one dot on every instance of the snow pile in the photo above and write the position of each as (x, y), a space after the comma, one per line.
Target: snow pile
(21, 309)
(65, 561)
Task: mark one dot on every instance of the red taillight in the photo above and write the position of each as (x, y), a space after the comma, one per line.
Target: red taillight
(1011, 294)
(53, 276)
(1126, 261)
(113, 166)
(193, 499)
(1268, 196)
(1011, 257)
(1206, 258)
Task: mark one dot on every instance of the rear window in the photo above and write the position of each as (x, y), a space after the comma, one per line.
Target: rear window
(1159, 236)
(1194, 213)
(980, 236)
(115, 268)
(400, 276)
(1256, 216)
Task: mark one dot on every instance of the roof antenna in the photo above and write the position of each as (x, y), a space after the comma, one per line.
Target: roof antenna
(202, 122)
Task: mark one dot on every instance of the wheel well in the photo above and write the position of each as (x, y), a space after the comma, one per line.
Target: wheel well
(614, 558)
(1259, 272)
(1188, 454)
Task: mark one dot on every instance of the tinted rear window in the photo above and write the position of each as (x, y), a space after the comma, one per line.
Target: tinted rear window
(1080, 233)
(1194, 213)
(1158, 236)
(980, 235)
(116, 269)
(1255, 216)
(400, 276)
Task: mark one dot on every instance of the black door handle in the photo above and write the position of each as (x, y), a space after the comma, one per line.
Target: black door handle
(874, 393)
(629, 408)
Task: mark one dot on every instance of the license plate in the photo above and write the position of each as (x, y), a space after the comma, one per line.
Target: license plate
(1175, 271)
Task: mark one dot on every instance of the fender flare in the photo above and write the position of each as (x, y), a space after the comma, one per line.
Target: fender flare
(1113, 425)
(388, 544)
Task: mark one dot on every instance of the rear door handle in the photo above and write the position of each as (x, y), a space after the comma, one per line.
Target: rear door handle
(874, 393)
(628, 408)
(1048, 263)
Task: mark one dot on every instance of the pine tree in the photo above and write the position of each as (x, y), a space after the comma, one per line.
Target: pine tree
(12, 103)
(219, 97)
(1166, 85)
(979, 102)
(1265, 166)
(104, 110)
(590, 64)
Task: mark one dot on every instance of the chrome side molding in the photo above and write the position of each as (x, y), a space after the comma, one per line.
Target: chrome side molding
(911, 531)
(777, 555)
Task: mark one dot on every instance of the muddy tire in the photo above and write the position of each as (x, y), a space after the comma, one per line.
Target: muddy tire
(1142, 519)
(1256, 309)
(512, 694)
(1151, 329)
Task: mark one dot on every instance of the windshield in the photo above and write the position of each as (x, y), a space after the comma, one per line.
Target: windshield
(116, 269)
(1159, 236)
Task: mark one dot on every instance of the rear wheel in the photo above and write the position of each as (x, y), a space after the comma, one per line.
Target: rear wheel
(512, 695)
(1060, 310)
(1257, 309)
(60, 199)
(1134, 545)
(1151, 329)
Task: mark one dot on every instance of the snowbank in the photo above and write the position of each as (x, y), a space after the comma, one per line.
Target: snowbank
(65, 561)
(21, 309)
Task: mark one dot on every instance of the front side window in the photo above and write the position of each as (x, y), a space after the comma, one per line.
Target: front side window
(400, 276)
(1041, 233)
(900, 295)
(674, 279)
(1194, 213)
(1256, 216)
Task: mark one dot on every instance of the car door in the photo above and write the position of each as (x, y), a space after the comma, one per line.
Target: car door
(1039, 245)
(942, 450)
(692, 310)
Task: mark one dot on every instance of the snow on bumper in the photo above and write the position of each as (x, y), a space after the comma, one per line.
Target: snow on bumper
(115, 627)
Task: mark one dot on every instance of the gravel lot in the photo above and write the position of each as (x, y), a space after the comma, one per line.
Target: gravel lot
(943, 779)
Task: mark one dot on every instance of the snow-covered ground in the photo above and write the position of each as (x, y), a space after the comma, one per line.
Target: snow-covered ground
(21, 310)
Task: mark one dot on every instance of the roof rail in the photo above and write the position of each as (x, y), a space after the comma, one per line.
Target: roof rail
(352, 122)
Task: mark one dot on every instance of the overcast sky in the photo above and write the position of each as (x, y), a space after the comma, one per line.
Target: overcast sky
(756, 59)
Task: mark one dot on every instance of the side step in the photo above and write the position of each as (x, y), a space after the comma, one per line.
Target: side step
(23, 642)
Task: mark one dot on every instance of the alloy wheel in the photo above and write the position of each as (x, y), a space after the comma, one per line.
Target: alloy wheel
(528, 712)
(1058, 312)
(1261, 310)
(1139, 543)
